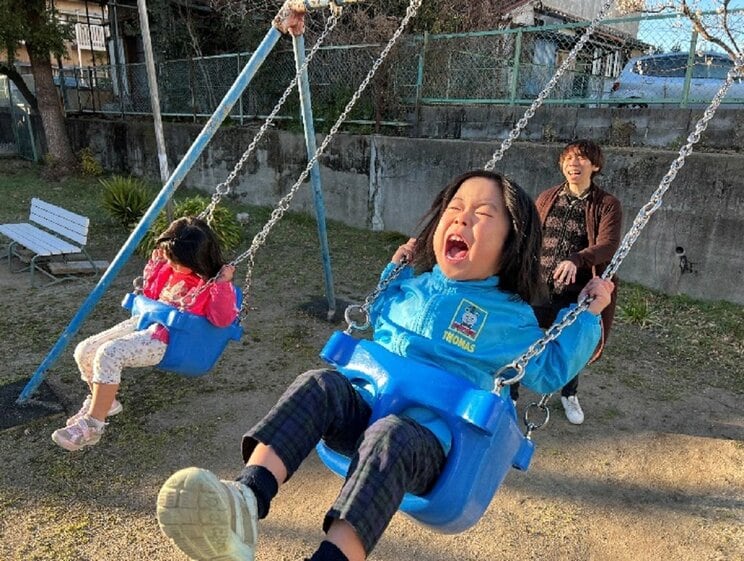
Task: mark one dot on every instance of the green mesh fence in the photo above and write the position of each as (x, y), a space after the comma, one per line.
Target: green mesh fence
(509, 66)
(17, 135)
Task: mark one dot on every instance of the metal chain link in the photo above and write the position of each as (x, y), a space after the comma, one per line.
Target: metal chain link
(283, 205)
(630, 237)
(541, 405)
(522, 123)
(363, 309)
(184, 303)
(224, 188)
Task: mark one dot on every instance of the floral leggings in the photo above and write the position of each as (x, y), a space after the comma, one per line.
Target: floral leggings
(102, 357)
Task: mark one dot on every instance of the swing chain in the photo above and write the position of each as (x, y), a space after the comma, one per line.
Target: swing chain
(187, 300)
(522, 123)
(138, 284)
(224, 188)
(260, 238)
(542, 405)
(632, 235)
(363, 309)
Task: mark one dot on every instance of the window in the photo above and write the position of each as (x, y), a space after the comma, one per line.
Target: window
(711, 67)
(667, 67)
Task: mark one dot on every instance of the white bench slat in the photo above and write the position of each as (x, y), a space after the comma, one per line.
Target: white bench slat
(68, 224)
(37, 240)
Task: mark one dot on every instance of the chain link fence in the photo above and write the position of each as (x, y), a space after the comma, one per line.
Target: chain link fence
(512, 66)
(508, 66)
(17, 130)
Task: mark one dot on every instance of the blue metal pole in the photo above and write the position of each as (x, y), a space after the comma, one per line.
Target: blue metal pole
(298, 43)
(206, 134)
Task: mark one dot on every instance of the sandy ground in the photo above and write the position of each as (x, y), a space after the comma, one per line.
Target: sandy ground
(655, 472)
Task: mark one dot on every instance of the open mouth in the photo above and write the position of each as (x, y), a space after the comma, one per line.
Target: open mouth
(456, 248)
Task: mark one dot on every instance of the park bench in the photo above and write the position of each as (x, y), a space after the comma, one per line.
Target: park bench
(51, 231)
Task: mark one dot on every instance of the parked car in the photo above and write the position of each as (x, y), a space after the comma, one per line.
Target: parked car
(662, 76)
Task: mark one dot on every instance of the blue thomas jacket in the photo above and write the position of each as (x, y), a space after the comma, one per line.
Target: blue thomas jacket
(473, 328)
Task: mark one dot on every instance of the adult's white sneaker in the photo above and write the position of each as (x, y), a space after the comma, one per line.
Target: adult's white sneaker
(572, 407)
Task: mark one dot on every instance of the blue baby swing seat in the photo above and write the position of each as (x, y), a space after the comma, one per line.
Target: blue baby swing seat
(194, 343)
(486, 440)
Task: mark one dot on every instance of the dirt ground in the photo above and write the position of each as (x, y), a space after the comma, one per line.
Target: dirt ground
(655, 472)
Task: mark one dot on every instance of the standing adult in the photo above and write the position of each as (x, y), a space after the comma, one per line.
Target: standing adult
(581, 226)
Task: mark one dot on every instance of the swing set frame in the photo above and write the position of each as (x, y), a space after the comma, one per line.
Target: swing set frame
(280, 26)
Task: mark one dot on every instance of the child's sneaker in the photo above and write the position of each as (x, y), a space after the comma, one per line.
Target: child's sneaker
(208, 519)
(116, 408)
(77, 436)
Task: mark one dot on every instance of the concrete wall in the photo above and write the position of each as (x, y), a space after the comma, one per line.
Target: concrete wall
(651, 127)
(387, 183)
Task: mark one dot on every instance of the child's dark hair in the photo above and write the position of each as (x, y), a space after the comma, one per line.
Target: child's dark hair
(519, 271)
(189, 241)
(587, 148)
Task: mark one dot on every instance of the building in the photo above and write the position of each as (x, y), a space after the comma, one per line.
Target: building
(88, 48)
(597, 64)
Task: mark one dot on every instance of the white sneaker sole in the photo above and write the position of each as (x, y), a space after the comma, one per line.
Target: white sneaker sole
(71, 446)
(205, 519)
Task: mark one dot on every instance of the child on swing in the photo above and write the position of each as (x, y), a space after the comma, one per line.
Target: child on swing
(478, 252)
(186, 256)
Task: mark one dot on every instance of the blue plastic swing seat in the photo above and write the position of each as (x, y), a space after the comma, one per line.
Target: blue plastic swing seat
(194, 344)
(486, 440)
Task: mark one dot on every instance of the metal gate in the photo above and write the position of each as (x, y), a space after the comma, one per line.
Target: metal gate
(16, 129)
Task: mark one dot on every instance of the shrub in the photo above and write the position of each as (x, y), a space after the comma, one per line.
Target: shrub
(637, 310)
(89, 166)
(125, 199)
(224, 224)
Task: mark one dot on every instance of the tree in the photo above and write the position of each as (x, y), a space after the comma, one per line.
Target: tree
(35, 23)
(718, 28)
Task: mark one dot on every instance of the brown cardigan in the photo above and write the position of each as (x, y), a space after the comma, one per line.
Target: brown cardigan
(604, 216)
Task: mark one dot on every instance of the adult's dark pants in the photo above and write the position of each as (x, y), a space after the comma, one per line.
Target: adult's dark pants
(545, 318)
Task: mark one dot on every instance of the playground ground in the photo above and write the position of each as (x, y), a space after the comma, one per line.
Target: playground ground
(655, 472)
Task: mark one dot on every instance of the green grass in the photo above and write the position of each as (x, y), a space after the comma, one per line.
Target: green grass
(662, 348)
(671, 340)
(637, 309)
(688, 335)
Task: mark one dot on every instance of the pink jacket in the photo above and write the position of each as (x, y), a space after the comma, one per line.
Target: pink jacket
(218, 303)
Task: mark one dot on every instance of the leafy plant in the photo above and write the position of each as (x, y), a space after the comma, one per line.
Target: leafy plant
(637, 310)
(224, 223)
(125, 199)
(89, 165)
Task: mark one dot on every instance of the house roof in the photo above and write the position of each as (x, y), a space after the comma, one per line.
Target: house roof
(604, 32)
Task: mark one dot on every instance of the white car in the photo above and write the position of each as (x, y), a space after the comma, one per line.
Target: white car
(661, 78)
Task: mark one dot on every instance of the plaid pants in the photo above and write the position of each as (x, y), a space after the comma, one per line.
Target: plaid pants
(393, 456)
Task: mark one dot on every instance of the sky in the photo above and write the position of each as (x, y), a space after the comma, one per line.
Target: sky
(664, 34)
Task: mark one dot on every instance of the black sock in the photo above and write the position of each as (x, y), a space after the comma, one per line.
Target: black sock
(263, 484)
(328, 552)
